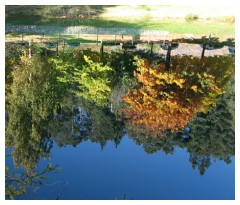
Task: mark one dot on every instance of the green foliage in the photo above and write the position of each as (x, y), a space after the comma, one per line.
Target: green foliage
(13, 53)
(150, 142)
(211, 136)
(91, 122)
(63, 67)
(191, 85)
(32, 102)
(207, 77)
(43, 93)
(94, 81)
(83, 74)
(191, 17)
(18, 184)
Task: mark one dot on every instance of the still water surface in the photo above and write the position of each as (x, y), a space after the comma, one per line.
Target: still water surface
(128, 172)
(120, 127)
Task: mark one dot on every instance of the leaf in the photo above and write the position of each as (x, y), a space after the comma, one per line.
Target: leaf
(195, 88)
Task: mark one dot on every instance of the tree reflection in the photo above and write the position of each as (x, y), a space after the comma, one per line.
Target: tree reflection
(187, 104)
(190, 86)
(30, 107)
(19, 184)
(208, 136)
(87, 121)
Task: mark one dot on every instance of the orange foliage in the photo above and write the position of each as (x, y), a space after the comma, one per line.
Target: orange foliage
(167, 99)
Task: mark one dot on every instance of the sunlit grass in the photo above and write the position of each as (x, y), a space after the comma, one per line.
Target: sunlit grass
(135, 16)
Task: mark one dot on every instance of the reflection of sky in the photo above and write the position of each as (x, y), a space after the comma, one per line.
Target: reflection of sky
(91, 173)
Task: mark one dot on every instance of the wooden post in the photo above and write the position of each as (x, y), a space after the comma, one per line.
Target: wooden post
(168, 57)
(29, 50)
(151, 48)
(111, 107)
(101, 51)
(204, 47)
(63, 45)
(115, 39)
(97, 37)
(132, 40)
(22, 38)
(57, 49)
(203, 50)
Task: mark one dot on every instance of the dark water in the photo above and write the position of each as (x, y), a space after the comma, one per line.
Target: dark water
(182, 148)
(127, 171)
(102, 170)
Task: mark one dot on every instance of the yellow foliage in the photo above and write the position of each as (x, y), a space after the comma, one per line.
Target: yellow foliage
(195, 88)
(165, 100)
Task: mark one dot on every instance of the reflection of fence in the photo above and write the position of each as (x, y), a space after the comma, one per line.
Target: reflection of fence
(80, 30)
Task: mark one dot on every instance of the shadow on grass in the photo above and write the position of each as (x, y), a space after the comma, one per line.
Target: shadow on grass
(61, 15)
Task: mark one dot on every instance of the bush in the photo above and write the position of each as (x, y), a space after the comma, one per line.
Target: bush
(191, 17)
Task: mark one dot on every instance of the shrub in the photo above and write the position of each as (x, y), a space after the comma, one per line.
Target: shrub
(191, 17)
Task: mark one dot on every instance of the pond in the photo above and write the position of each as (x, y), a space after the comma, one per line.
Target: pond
(84, 125)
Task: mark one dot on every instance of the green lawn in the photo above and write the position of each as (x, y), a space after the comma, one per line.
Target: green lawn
(111, 16)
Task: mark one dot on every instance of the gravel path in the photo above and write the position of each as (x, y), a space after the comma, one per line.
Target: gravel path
(189, 49)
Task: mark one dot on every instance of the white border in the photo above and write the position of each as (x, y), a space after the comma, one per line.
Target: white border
(216, 3)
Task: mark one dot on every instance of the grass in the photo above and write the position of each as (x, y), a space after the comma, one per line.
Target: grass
(146, 17)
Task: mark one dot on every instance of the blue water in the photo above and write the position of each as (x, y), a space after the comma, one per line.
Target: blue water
(127, 172)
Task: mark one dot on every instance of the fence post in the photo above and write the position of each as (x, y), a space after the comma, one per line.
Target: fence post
(63, 45)
(203, 50)
(204, 47)
(29, 50)
(97, 36)
(151, 47)
(101, 51)
(168, 57)
(115, 39)
(57, 49)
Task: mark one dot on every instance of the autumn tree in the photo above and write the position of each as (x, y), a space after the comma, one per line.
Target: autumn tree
(208, 136)
(168, 99)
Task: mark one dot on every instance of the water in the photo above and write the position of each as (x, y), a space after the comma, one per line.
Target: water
(168, 133)
(127, 171)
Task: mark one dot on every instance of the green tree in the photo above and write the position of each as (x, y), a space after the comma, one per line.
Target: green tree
(213, 134)
(32, 102)
(82, 120)
(13, 53)
(83, 74)
(94, 81)
(19, 184)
